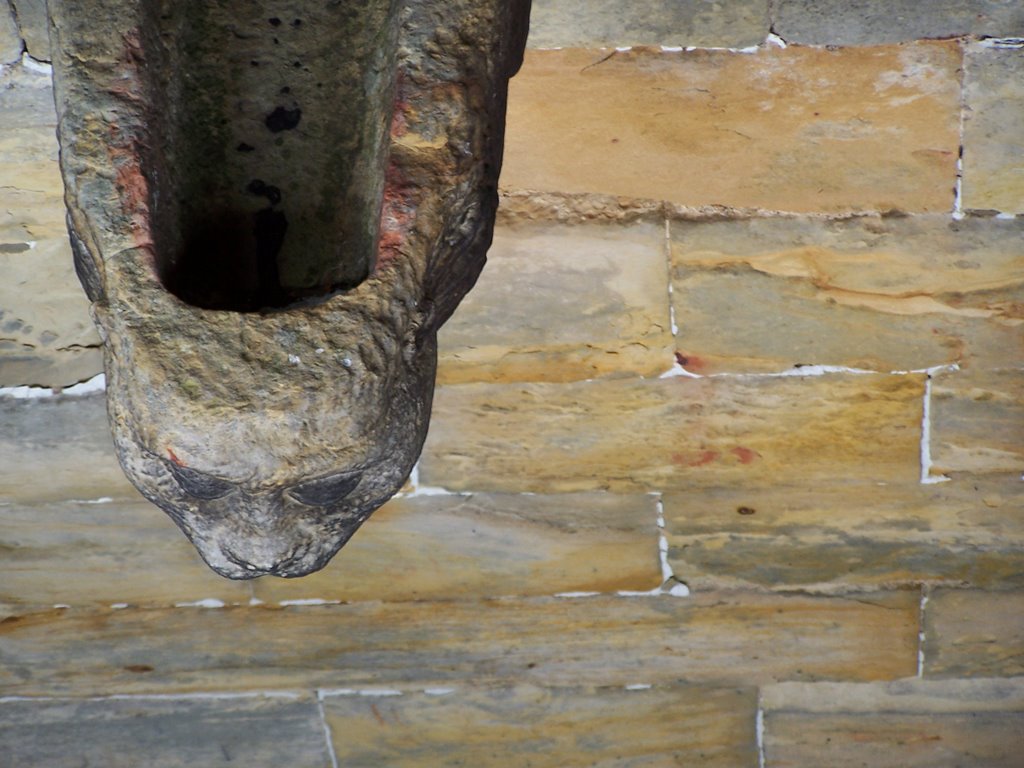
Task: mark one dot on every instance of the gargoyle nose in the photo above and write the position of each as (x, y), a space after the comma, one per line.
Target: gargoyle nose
(261, 558)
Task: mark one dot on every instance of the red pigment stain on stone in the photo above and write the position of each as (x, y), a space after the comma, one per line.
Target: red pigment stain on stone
(690, 362)
(125, 149)
(745, 455)
(396, 217)
(695, 459)
(174, 457)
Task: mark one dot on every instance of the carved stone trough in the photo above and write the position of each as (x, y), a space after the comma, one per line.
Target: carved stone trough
(273, 207)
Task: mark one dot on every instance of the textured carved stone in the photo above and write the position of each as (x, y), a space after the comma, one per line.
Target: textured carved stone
(273, 207)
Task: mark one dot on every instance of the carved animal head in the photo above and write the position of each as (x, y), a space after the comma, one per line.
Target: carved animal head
(272, 217)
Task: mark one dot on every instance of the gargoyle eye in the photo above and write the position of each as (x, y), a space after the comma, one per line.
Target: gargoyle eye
(200, 485)
(326, 491)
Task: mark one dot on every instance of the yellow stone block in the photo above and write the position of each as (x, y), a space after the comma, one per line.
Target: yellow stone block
(799, 129)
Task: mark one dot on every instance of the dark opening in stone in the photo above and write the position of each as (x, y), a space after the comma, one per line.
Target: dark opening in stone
(265, 191)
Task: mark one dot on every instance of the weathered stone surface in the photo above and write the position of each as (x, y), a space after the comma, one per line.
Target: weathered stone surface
(102, 551)
(971, 633)
(840, 22)
(594, 23)
(527, 725)
(34, 27)
(11, 45)
(993, 172)
(193, 202)
(722, 638)
(677, 433)
(464, 547)
(799, 129)
(842, 536)
(977, 422)
(871, 293)
(163, 733)
(558, 303)
(903, 724)
(46, 336)
(56, 449)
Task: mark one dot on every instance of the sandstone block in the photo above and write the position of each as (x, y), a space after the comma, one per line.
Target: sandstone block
(878, 293)
(485, 545)
(835, 22)
(848, 536)
(677, 433)
(46, 336)
(58, 449)
(903, 724)
(561, 303)
(978, 422)
(726, 639)
(970, 633)
(993, 172)
(799, 129)
(594, 23)
(163, 733)
(34, 26)
(102, 551)
(528, 725)
(11, 45)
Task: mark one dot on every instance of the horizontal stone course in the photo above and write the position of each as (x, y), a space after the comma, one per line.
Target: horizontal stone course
(900, 724)
(163, 733)
(796, 129)
(720, 638)
(674, 434)
(486, 545)
(840, 22)
(528, 725)
(842, 536)
(876, 293)
(593, 23)
(58, 449)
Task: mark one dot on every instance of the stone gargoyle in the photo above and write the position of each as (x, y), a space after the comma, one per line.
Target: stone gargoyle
(273, 206)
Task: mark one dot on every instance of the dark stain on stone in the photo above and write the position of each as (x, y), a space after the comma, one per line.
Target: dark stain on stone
(14, 247)
(745, 510)
(243, 147)
(282, 119)
(297, 23)
(286, 89)
(262, 189)
(138, 668)
(275, 22)
(271, 227)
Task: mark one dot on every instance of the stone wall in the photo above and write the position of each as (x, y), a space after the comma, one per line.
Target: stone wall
(725, 467)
